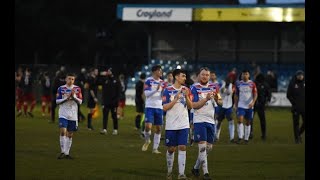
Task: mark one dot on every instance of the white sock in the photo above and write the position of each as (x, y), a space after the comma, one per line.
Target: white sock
(147, 135)
(68, 145)
(182, 161)
(240, 130)
(231, 129)
(170, 159)
(197, 165)
(201, 156)
(205, 165)
(215, 125)
(156, 140)
(247, 132)
(218, 131)
(205, 162)
(62, 139)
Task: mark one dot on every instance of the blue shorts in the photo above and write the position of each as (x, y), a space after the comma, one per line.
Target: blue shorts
(154, 116)
(204, 132)
(70, 125)
(225, 112)
(246, 113)
(217, 109)
(177, 137)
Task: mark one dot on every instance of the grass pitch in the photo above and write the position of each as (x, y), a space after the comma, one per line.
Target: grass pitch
(120, 157)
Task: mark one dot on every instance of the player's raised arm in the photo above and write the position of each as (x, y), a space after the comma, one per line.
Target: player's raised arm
(189, 98)
(77, 96)
(255, 95)
(198, 103)
(59, 99)
(166, 100)
(148, 90)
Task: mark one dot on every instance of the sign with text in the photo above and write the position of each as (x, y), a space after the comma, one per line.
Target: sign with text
(157, 14)
(272, 14)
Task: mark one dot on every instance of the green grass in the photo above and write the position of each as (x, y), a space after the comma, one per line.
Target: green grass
(120, 157)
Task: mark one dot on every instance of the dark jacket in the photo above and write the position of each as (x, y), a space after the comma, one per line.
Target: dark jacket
(111, 89)
(58, 81)
(263, 89)
(296, 94)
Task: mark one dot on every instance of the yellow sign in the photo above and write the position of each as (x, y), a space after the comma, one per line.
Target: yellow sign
(273, 14)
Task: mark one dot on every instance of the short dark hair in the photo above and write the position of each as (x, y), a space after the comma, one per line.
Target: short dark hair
(203, 68)
(245, 71)
(177, 72)
(143, 76)
(170, 72)
(155, 68)
(71, 74)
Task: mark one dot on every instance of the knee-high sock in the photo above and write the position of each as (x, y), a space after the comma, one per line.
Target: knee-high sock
(25, 107)
(247, 132)
(201, 156)
(43, 107)
(170, 160)
(62, 141)
(182, 161)
(33, 104)
(231, 129)
(205, 163)
(156, 140)
(89, 120)
(240, 130)
(218, 130)
(147, 135)
(67, 147)
(137, 121)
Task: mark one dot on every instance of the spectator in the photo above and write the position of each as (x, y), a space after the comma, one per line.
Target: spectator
(296, 95)
(140, 102)
(271, 79)
(264, 96)
(111, 89)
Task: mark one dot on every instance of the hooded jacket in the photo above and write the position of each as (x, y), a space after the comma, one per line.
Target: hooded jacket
(296, 93)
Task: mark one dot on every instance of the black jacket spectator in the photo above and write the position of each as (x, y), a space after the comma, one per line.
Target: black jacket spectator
(264, 90)
(111, 90)
(296, 93)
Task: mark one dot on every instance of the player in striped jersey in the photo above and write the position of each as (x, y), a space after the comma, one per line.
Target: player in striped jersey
(68, 98)
(244, 99)
(153, 88)
(176, 102)
(204, 95)
(227, 90)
